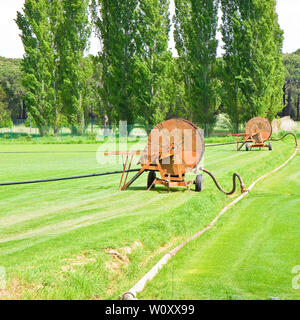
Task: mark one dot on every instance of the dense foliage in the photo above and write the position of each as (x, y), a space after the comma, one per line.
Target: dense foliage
(10, 82)
(134, 77)
(196, 24)
(252, 71)
(55, 35)
(137, 68)
(291, 98)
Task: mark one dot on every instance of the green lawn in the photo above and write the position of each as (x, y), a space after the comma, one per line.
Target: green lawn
(85, 239)
(249, 255)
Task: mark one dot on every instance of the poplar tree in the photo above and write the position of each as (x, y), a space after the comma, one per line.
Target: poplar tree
(55, 35)
(196, 24)
(153, 63)
(72, 41)
(136, 66)
(252, 72)
(38, 66)
(116, 28)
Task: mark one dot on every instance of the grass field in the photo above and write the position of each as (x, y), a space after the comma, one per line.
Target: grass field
(251, 253)
(84, 239)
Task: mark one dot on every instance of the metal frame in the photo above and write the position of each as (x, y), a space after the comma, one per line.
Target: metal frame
(254, 135)
(255, 139)
(166, 179)
(171, 174)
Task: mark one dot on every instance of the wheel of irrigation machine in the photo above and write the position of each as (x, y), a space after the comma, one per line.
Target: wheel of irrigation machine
(247, 147)
(199, 183)
(151, 178)
(270, 146)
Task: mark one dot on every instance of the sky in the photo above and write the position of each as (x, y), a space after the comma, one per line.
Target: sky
(11, 46)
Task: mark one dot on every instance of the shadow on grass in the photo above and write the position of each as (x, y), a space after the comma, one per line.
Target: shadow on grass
(159, 189)
(100, 188)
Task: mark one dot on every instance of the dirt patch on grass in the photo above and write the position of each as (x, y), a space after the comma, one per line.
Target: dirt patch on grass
(13, 290)
(119, 260)
(78, 261)
(16, 289)
(120, 257)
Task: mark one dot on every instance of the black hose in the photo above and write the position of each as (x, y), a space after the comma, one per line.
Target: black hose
(234, 177)
(88, 151)
(221, 144)
(67, 178)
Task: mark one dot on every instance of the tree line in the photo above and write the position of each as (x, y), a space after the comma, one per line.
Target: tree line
(136, 78)
(291, 96)
(11, 91)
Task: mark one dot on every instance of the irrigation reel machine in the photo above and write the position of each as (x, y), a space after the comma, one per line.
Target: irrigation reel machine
(174, 148)
(258, 130)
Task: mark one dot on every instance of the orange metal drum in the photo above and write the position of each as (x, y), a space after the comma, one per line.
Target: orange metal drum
(178, 143)
(259, 124)
(174, 147)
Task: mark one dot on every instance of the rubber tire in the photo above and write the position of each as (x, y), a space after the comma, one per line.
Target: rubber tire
(247, 147)
(270, 146)
(199, 183)
(151, 178)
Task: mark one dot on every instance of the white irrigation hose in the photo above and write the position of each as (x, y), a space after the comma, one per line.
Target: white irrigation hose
(140, 285)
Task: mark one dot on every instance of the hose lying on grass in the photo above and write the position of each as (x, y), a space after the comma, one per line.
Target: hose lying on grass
(66, 178)
(288, 133)
(234, 177)
(139, 286)
(221, 144)
(90, 151)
